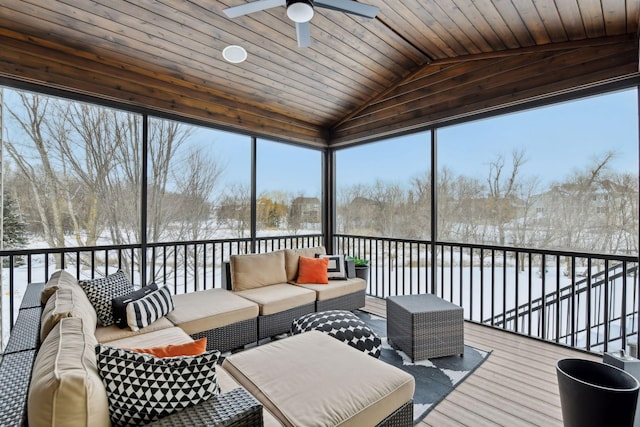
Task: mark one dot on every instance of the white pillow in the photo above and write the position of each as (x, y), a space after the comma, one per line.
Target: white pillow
(336, 269)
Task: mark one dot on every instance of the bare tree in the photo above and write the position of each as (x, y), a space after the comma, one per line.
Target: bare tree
(349, 210)
(165, 139)
(46, 188)
(234, 210)
(82, 165)
(503, 187)
(623, 199)
(196, 190)
(576, 204)
(465, 208)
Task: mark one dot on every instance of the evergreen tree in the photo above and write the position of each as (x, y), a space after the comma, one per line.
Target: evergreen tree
(15, 230)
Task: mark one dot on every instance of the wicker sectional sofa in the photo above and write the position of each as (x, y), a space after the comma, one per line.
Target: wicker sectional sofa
(49, 374)
(269, 280)
(65, 386)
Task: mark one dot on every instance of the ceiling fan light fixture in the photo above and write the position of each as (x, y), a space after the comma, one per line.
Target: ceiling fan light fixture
(300, 10)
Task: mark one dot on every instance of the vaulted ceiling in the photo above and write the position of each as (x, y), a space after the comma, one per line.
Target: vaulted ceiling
(418, 63)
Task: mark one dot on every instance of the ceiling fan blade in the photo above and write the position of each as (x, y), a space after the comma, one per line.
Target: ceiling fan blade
(254, 6)
(349, 6)
(303, 33)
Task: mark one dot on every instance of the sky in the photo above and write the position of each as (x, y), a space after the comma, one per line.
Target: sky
(557, 139)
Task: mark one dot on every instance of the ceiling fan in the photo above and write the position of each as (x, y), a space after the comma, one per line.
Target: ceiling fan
(301, 12)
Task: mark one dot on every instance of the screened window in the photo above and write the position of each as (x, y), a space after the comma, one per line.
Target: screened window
(289, 189)
(383, 189)
(563, 177)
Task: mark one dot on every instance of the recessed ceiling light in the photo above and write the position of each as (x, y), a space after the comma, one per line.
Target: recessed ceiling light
(234, 54)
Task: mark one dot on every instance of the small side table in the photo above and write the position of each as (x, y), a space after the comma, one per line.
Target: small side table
(425, 326)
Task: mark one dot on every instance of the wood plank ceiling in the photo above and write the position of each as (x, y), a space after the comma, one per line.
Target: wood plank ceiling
(419, 62)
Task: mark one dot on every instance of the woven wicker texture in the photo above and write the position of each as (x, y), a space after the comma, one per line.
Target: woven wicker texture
(347, 302)
(15, 375)
(425, 326)
(25, 334)
(31, 298)
(235, 408)
(402, 417)
(280, 323)
(231, 336)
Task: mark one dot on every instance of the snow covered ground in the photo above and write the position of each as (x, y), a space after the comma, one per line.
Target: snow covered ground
(457, 287)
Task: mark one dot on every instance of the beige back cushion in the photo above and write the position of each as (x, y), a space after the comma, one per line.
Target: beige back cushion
(59, 279)
(257, 270)
(291, 259)
(67, 302)
(66, 389)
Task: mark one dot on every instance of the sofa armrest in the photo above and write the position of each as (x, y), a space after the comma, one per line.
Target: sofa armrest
(234, 408)
(226, 276)
(15, 376)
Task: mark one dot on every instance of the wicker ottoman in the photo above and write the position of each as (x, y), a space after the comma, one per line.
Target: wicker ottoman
(425, 326)
(343, 326)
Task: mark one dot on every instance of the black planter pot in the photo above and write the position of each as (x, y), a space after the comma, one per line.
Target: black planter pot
(595, 394)
(362, 272)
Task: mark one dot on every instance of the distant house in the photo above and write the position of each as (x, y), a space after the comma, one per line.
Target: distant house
(305, 210)
(359, 203)
(597, 198)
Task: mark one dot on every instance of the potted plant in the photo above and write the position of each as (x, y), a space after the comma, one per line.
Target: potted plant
(362, 267)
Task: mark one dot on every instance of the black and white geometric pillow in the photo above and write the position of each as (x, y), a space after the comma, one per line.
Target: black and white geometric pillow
(103, 290)
(148, 309)
(336, 269)
(342, 325)
(142, 388)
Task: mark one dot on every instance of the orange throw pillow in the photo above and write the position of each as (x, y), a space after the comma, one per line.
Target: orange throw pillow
(172, 350)
(313, 271)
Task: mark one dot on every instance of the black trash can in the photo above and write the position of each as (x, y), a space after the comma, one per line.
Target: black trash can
(595, 394)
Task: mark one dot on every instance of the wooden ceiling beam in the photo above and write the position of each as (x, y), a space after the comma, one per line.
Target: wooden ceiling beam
(551, 47)
(438, 65)
(479, 92)
(48, 67)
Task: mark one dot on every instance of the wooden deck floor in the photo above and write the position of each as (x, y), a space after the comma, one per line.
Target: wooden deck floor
(516, 386)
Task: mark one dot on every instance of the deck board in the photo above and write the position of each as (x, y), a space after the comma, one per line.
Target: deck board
(516, 386)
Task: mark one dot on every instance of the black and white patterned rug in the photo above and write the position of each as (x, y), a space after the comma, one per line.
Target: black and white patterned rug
(435, 378)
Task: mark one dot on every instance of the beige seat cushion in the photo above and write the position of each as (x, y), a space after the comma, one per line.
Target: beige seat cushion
(67, 302)
(66, 389)
(228, 383)
(291, 259)
(59, 279)
(256, 270)
(337, 288)
(276, 298)
(105, 334)
(328, 383)
(160, 337)
(214, 308)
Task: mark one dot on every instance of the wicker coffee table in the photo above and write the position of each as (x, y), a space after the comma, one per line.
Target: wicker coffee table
(425, 326)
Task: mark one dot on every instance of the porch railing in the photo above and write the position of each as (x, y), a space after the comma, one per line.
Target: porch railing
(184, 266)
(583, 300)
